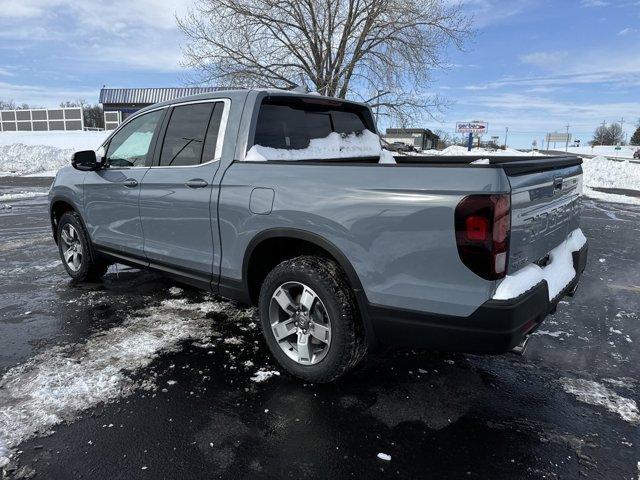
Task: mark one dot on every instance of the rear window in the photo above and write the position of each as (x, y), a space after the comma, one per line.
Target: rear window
(292, 126)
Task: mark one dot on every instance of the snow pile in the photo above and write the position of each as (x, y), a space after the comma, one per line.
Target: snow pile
(457, 150)
(601, 172)
(384, 456)
(595, 393)
(335, 145)
(605, 150)
(481, 161)
(24, 153)
(558, 273)
(21, 195)
(58, 384)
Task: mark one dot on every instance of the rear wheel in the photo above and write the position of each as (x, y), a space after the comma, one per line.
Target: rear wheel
(75, 250)
(310, 319)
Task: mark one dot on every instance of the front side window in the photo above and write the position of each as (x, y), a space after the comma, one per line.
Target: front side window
(186, 133)
(129, 147)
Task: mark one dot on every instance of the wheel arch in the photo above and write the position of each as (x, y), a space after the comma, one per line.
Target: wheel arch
(58, 207)
(254, 272)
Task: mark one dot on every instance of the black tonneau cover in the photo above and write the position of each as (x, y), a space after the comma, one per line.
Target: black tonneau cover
(512, 165)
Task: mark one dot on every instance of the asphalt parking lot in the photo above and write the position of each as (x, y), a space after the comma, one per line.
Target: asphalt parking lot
(139, 377)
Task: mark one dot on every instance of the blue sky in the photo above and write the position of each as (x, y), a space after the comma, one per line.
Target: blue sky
(533, 66)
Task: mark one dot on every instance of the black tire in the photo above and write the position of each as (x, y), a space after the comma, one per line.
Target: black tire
(90, 268)
(329, 282)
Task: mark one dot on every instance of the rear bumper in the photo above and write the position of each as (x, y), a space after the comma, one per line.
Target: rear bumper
(497, 326)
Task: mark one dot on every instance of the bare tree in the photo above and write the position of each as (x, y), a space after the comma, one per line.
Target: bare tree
(379, 51)
(93, 114)
(7, 105)
(608, 135)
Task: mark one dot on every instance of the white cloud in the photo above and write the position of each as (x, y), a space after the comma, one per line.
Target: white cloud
(544, 59)
(620, 69)
(626, 31)
(40, 96)
(594, 3)
(141, 34)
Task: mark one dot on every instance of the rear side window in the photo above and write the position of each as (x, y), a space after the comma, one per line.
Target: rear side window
(293, 126)
(185, 136)
(211, 140)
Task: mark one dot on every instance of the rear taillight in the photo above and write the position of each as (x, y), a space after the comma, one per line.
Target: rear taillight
(483, 227)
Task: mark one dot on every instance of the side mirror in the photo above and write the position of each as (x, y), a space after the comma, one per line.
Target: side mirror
(85, 160)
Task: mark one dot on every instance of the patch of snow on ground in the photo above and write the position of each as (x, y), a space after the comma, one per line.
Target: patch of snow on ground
(481, 161)
(551, 334)
(58, 384)
(600, 172)
(558, 273)
(176, 291)
(335, 145)
(384, 456)
(4, 197)
(595, 393)
(43, 153)
(263, 375)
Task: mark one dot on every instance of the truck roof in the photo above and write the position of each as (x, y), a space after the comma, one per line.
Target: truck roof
(242, 93)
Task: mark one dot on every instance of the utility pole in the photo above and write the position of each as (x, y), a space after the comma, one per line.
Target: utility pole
(506, 134)
(622, 128)
(604, 125)
(566, 145)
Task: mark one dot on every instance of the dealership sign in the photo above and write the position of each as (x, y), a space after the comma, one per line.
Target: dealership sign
(475, 127)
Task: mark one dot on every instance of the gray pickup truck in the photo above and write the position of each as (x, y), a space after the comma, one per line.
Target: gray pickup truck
(340, 252)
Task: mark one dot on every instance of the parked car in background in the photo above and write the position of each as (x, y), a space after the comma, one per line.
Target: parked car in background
(280, 199)
(399, 147)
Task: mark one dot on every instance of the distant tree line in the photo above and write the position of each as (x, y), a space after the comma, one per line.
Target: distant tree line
(93, 114)
(11, 105)
(611, 134)
(635, 138)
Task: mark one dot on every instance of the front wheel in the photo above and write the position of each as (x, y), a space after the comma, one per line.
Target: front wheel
(310, 319)
(75, 250)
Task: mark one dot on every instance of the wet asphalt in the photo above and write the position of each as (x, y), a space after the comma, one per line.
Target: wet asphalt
(437, 415)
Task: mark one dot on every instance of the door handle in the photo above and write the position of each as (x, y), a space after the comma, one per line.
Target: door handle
(130, 183)
(197, 183)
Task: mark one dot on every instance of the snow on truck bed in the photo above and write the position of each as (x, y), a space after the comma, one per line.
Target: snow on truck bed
(335, 145)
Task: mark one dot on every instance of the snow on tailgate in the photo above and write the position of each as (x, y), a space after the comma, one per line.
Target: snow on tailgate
(558, 273)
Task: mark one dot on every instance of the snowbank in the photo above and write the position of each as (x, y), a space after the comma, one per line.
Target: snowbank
(604, 150)
(366, 144)
(558, 273)
(601, 172)
(457, 150)
(23, 153)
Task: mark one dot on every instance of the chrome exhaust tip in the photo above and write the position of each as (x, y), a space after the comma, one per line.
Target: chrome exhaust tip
(521, 347)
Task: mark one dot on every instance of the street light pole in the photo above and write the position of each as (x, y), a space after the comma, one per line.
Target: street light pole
(506, 134)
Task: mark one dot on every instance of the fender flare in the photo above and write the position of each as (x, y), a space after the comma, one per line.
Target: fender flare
(335, 252)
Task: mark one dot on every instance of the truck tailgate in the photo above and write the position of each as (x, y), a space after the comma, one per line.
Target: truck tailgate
(544, 203)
